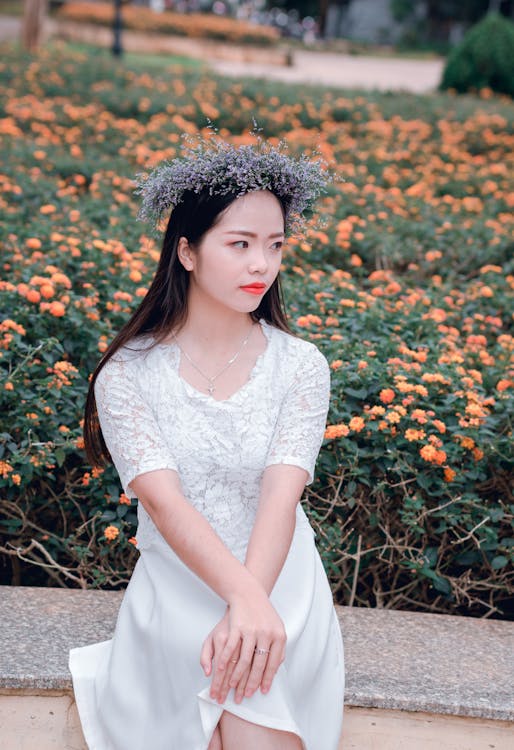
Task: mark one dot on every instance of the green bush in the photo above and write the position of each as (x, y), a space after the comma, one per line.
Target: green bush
(406, 289)
(484, 58)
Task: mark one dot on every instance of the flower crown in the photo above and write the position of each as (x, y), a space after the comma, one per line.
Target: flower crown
(222, 168)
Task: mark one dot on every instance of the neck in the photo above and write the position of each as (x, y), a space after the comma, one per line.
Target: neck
(214, 326)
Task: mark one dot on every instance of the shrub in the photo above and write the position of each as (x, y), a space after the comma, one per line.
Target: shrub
(484, 59)
(406, 289)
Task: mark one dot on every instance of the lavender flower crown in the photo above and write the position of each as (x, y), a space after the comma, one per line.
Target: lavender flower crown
(222, 168)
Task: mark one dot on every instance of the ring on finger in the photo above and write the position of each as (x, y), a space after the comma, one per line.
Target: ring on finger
(261, 651)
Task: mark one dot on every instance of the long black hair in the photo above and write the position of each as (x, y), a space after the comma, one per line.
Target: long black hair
(164, 307)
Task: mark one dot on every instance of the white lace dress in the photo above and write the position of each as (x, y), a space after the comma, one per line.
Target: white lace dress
(144, 689)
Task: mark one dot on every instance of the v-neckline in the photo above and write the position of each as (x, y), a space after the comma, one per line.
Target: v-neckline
(266, 328)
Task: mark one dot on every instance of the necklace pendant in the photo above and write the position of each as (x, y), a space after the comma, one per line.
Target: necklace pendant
(210, 388)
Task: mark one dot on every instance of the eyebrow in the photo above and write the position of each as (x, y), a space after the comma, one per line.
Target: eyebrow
(252, 234)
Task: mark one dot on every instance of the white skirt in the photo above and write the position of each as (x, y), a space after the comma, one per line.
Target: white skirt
(145, 688)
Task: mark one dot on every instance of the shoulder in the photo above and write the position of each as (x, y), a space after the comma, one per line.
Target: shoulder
(298, 353)
(128, 362)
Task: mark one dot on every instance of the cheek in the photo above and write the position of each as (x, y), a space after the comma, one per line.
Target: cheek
(215, 268)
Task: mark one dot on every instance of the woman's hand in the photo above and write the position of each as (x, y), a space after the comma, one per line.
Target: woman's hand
(246, 647)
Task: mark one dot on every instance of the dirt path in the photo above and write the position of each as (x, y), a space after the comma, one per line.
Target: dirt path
(348, 71)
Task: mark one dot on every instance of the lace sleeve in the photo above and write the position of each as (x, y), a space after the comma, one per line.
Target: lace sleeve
(130, 430)
(302, 419)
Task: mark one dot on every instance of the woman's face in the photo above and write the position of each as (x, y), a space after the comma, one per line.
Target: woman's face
(242, 249)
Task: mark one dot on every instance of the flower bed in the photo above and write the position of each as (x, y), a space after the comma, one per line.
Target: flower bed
(406, 288)
(195, 25)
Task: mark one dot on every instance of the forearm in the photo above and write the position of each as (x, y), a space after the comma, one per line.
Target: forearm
(281, 489)
(270, 542)
(191, 536)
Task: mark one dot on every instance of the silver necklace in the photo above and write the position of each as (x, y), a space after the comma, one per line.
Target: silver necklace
(211, 387)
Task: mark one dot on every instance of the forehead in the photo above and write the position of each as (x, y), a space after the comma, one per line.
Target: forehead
(254, 207)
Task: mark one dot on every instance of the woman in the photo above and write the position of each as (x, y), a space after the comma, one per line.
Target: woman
(213, 414)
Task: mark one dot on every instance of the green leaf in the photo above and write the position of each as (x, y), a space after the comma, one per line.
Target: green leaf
(59, 456)
(500, 561)
(356, 393)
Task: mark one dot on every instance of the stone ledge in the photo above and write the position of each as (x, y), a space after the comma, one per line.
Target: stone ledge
(393, 659)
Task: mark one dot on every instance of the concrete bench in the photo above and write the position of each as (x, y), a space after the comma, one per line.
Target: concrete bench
(413, 681)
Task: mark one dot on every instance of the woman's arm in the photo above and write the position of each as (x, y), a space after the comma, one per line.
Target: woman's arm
(252, 620)
(281, 489)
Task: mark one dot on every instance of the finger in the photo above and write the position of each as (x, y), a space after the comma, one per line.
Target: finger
(225, 687)
(239, 690)
(260, 659)
(220, 663)
(245, 660)
(275, 659)
(206, 655)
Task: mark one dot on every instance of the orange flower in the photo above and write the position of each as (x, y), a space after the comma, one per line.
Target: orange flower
(48, 208)
(9, 386)
(336, 364)
(111, 532)
(412, 434)
(124, 500)
(356, 423)
(431, 454)
(57, 309)
(449, 474)
(47, 290)
(133, 541)
(336, 431)
(503, 384)
(33, 243)
(33, 295)
(5, 469)
(419, 415)
(387, 395)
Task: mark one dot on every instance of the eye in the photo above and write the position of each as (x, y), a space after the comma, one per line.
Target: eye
(240, 244)
(277, 245)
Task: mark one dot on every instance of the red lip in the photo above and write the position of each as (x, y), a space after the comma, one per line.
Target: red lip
(254, 288)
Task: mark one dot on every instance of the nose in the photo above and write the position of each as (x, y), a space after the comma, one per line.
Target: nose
(259, 261)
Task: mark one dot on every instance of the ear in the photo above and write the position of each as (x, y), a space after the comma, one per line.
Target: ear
(185, 254)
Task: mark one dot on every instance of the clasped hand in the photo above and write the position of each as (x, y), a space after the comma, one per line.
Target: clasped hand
(244, 650)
